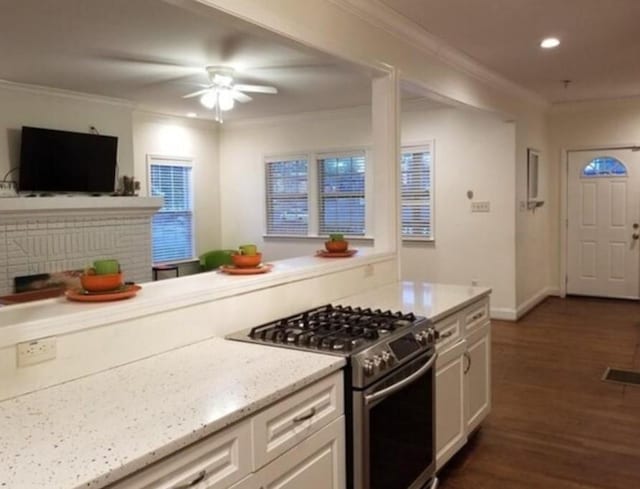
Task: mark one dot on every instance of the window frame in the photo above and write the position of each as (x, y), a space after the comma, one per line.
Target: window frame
(185, 161)
(267, 160)
(427, 145)
(313, 181)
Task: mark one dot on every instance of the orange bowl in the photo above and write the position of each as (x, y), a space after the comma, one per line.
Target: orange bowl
(101, 283)
(246, 261)
(336, 246)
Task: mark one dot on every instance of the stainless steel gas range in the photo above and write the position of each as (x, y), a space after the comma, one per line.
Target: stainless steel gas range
(389, 387)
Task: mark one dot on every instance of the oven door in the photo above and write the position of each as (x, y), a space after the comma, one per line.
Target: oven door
(394, 426)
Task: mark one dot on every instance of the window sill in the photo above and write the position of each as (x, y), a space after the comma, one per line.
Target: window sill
(418, 240)
(314, 238)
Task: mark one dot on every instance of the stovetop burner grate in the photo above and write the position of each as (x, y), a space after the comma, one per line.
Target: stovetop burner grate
(333, 328)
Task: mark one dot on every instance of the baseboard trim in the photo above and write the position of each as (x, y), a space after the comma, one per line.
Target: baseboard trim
(503, 313)
(534, 300)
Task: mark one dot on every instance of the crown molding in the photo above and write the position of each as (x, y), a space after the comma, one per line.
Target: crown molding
(331, 114)
(70, 94)
(388, 19)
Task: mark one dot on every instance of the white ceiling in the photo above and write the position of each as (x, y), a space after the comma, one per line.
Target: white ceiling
(600, 50)
(152, 52)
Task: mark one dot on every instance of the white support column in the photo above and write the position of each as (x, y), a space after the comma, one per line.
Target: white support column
(385, 202)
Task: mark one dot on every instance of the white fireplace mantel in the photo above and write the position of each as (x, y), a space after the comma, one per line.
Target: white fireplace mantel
(21, 207)
(41, 235)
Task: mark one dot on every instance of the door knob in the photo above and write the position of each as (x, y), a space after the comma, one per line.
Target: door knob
(636, 236)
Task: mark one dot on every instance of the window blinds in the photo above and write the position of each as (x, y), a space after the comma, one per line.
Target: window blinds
(417, 203)
(172, 226)
(287, 200)
(341, 194)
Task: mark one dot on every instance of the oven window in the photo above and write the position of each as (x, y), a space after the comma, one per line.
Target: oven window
(401, 436)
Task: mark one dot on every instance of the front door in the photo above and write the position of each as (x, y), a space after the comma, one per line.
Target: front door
(603, 223)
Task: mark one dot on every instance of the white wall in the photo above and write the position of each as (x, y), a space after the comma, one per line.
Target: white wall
(22, 106)
(581, 125)
(534, 228)
(473, 151)
(243, 147)
(196, 139)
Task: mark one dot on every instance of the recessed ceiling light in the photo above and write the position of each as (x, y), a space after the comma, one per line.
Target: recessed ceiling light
(192, 114)
(550, 43)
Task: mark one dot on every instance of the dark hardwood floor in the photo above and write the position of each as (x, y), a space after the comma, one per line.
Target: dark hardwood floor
(554, 423)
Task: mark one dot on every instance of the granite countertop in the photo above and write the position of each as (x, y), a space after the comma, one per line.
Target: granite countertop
(98, 429)
(433, 301)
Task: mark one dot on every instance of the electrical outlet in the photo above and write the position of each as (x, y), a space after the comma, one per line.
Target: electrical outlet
(481, 206)
(474, 282)
(36, 351)
(368, 271)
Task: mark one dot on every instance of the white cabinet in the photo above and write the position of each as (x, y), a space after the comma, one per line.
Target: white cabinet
(463, 377)
(215, 463)
(318, 462)
(283, 425)
(451, 425)
(478, 377)
(296, 442)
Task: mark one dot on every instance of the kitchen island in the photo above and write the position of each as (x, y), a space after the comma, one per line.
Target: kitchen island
(104, 427)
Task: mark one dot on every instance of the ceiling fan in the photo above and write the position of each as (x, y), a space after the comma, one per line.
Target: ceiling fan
(222, 93)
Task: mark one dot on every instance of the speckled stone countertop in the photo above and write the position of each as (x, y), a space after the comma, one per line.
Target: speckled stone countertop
(433, 301)
(98, 429)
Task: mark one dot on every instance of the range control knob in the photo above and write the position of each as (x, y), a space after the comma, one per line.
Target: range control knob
(387, 358)
(430, 335)
(421, 337)
(378, 364)
(368, 367)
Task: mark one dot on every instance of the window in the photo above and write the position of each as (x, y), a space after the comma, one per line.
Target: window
(287, 201)
(172, 226)
(605, 166)
(417, 196)
(341, 193)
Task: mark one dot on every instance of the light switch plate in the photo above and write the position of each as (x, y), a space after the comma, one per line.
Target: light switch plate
(481, 206)
(36, 351)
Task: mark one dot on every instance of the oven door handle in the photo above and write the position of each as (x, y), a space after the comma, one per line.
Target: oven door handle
(371, 398)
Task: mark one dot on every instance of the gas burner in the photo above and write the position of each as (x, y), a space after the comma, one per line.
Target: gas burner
(330, 328)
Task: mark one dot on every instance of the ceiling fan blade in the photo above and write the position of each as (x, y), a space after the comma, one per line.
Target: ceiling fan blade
(195, 94)
(241, 97)
(255, 88)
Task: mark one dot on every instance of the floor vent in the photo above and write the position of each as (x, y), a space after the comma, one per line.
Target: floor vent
(618, 376)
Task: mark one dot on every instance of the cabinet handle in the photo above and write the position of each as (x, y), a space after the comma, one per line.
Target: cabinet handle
(445, 335)
(468, 357)
(304, 417)
(199, 478)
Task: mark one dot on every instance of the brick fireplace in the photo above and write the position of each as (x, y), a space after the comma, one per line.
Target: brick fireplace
(53, 234)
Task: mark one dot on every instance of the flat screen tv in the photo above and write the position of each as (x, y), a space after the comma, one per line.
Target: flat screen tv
(63, 161)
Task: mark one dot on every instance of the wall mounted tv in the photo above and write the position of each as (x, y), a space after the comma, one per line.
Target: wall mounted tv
(63, 161)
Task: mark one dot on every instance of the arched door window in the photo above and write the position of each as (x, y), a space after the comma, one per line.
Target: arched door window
(604, 166)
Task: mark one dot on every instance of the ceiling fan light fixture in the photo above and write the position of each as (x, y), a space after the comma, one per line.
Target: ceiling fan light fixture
(225, 99)
(222, 80)
(209, 100)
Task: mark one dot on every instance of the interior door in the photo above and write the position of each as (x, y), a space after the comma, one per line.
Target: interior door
(603, 223)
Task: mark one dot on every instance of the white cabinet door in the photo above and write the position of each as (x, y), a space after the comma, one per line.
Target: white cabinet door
(478, 376)
(318, 462)
(451, 432)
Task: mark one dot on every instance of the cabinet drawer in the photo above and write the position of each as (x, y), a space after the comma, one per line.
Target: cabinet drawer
(476, 315)
(450, 330)
(213, 463)
(283, 425)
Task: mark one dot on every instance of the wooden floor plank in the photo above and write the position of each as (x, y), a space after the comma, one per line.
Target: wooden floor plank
(554, 423)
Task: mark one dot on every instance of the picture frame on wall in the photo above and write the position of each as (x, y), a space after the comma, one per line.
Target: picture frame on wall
(533, 179)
